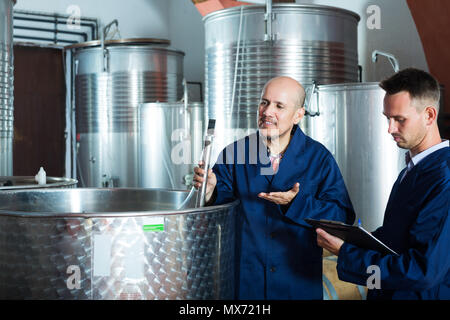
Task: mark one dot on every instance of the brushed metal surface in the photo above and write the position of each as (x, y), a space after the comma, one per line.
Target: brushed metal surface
(44, 233)
(109, 86)
(158, 149)
(6, 87)
(351, 125)
(312, 43)
(170, 144)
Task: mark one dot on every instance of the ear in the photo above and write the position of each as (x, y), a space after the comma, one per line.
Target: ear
(430, 114)
(299, 114)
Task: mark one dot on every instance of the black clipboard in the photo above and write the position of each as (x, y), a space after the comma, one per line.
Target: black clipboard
(355, 235)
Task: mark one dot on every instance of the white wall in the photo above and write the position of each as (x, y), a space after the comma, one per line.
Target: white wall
(137, 18)
(186, 32)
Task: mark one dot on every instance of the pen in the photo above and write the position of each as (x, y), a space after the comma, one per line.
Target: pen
(359, 222)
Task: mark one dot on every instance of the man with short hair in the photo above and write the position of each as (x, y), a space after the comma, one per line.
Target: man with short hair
(280, 177)
(416, 223)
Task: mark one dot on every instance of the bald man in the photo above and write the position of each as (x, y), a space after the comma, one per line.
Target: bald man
(280, 177)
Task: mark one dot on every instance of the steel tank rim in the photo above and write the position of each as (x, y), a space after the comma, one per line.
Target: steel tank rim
(118, 42)
(281, 7)
(145, 48)
(349, 86)
(52, 182)
(124, 214)
(144, 44)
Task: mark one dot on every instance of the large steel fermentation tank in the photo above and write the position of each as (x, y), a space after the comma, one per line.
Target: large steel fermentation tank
(170, 143)
(111, 80)
(310, 43)
(6, 87)
(351, 124)
(114, 244)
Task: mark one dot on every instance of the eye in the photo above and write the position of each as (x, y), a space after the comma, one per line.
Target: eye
(263, 103)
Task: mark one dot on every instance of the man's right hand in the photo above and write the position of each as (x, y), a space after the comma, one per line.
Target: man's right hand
(198, 180)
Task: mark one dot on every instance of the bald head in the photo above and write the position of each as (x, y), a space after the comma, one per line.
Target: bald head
(291, 86)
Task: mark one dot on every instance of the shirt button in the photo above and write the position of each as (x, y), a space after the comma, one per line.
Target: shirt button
(273, 269)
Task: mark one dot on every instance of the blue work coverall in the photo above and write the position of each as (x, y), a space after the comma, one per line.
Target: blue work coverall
(416, 225)
(277, 256)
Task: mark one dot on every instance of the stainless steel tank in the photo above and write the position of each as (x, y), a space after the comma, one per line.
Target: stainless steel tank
(114, 244)
(6, 87)
(111, 80)
(351, 125)
(170, 143)
(28, 182)
(310, 43)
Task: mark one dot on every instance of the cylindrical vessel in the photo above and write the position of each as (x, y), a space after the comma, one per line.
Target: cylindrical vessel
(310, 44)
(352, 126)
(114, 244)
(18, 182)
(110, 82)
(170, 143)
(6, 87)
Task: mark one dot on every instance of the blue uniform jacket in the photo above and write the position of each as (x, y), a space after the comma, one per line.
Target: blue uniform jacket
(416, 225)
(277, 252)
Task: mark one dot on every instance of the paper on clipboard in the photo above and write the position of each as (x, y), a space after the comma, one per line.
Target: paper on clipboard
(355, 235)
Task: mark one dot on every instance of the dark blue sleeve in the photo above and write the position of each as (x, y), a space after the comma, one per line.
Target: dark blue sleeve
(327, 200)
(225, 180)
(424, 265)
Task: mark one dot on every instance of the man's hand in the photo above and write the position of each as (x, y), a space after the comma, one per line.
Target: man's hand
(282, 198)
(198, 180)
(329, 242)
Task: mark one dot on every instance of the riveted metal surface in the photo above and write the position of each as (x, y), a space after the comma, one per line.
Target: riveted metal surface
(190, 258)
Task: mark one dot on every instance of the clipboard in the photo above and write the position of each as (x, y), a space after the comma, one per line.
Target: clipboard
(355, 235)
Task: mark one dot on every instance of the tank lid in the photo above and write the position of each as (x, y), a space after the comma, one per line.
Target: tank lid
(131, 41)
(288, 7)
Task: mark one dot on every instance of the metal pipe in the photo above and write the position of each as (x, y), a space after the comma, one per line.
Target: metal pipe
(108, 26)
(393, 60)
(85, 22)
(311, 95)
(82, 34)
(268, 20)
(44, 39)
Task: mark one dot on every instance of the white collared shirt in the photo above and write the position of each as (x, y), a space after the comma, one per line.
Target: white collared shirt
(412, 162)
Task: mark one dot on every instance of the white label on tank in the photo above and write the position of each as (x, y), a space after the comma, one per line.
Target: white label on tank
(134, 258)
(153, 224)
(102, 255)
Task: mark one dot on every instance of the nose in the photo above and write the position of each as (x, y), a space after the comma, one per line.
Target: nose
(392, 128)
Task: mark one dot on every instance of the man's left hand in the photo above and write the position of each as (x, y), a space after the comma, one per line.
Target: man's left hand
(329, 242)
(282, 198)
